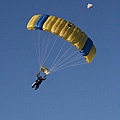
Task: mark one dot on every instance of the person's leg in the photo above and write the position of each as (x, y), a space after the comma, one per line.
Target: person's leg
(37, 86)
(33, 85)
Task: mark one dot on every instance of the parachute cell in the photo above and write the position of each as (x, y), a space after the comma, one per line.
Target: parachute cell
(66, 30)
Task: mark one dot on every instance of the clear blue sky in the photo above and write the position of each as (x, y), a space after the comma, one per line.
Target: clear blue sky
(87, 92)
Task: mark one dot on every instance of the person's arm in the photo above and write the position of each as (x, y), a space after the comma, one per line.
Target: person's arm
(43, 78)
(38, 74)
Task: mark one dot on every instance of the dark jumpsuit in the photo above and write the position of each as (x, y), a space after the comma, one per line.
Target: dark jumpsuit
(38, 82)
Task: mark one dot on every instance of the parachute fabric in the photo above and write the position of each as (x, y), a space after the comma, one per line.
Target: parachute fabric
(66, 30)
(89, 6)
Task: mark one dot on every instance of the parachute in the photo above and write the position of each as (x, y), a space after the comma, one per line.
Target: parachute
(66, 30)
(89, 6)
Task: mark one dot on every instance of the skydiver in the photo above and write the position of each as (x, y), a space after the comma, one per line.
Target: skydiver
(38, 81)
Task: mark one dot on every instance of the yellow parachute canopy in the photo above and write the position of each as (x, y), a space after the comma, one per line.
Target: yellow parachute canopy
(66, 30)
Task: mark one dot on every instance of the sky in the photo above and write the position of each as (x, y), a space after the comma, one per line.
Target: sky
(86, 92)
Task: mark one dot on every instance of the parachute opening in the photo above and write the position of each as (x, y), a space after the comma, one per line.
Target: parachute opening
(69, 25)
